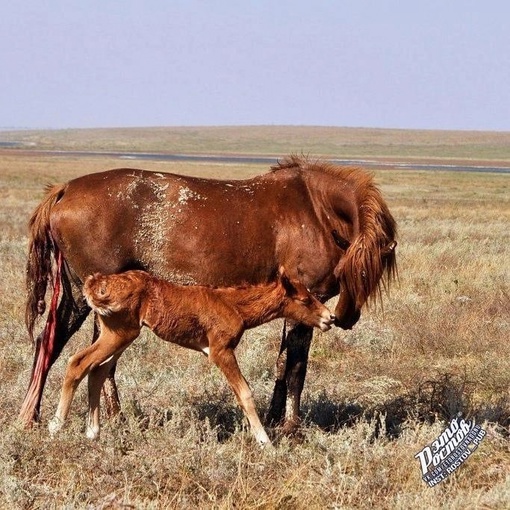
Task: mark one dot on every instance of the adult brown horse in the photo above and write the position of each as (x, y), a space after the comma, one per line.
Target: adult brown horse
(329, 226)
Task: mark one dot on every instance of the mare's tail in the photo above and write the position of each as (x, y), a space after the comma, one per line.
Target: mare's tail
(44, 260)
(45, 264)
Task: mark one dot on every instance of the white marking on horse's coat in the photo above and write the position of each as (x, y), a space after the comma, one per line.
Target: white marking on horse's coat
(107, 360)
(185, 194)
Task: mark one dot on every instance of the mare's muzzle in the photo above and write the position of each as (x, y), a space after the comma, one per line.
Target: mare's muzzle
(346, 313)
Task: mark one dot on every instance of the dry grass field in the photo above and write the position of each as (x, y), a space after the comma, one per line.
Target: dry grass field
(278, 141)
(373, 398)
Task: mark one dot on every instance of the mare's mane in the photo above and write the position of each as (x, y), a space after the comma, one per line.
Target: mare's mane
(364, 268)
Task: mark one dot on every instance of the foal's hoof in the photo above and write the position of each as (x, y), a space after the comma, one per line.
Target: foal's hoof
(92, 433)
(54, 425)
(266, 445)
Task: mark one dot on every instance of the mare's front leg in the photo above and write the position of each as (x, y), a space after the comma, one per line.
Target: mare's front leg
(225, 360)
(290, 377)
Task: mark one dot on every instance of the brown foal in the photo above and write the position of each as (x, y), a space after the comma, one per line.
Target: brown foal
(206, 319)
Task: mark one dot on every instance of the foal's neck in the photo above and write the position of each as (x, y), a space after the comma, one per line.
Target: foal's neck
(256, 304)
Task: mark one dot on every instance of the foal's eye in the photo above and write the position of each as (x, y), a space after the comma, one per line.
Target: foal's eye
(306, 300)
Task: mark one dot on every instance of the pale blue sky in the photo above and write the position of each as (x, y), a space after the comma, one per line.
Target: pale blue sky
(437, 64)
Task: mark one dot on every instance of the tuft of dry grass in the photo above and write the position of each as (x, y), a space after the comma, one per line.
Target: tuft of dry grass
(374, 396)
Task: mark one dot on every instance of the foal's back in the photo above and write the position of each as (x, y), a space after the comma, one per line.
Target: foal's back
(176, 313)
(190, 315)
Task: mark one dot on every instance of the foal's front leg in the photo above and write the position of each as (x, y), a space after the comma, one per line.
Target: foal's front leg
(79, 366)
(96, 380)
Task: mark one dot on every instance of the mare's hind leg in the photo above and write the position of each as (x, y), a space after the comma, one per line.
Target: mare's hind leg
(290, 377)
(111, 394)
(70, 315)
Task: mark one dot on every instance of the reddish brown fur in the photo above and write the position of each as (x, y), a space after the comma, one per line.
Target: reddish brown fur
(377, 231)
(206, 319)
(191, 230)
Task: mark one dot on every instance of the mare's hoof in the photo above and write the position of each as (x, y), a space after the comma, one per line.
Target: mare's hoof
(289, 430)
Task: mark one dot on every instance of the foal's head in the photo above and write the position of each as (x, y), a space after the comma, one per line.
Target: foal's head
(108, 294)
(300, 305)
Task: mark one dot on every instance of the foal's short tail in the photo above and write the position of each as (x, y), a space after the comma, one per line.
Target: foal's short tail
(44, 258)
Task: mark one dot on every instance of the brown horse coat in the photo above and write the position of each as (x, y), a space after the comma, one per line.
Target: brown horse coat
(330, 224)
(209, 320)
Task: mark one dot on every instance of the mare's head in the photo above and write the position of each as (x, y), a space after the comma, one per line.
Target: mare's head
(361, 273)
(363, 229)
(109, 294)
(301, 306)
(368, 263)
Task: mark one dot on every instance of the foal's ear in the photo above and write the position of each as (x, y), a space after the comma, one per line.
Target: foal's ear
(340, 241)
(289, 287)
(102, 288)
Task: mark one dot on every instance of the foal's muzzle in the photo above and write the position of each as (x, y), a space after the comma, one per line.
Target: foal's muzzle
(326, 323)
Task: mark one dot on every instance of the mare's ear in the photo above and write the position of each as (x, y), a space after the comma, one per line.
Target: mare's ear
(287, 284)
(390, 247)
